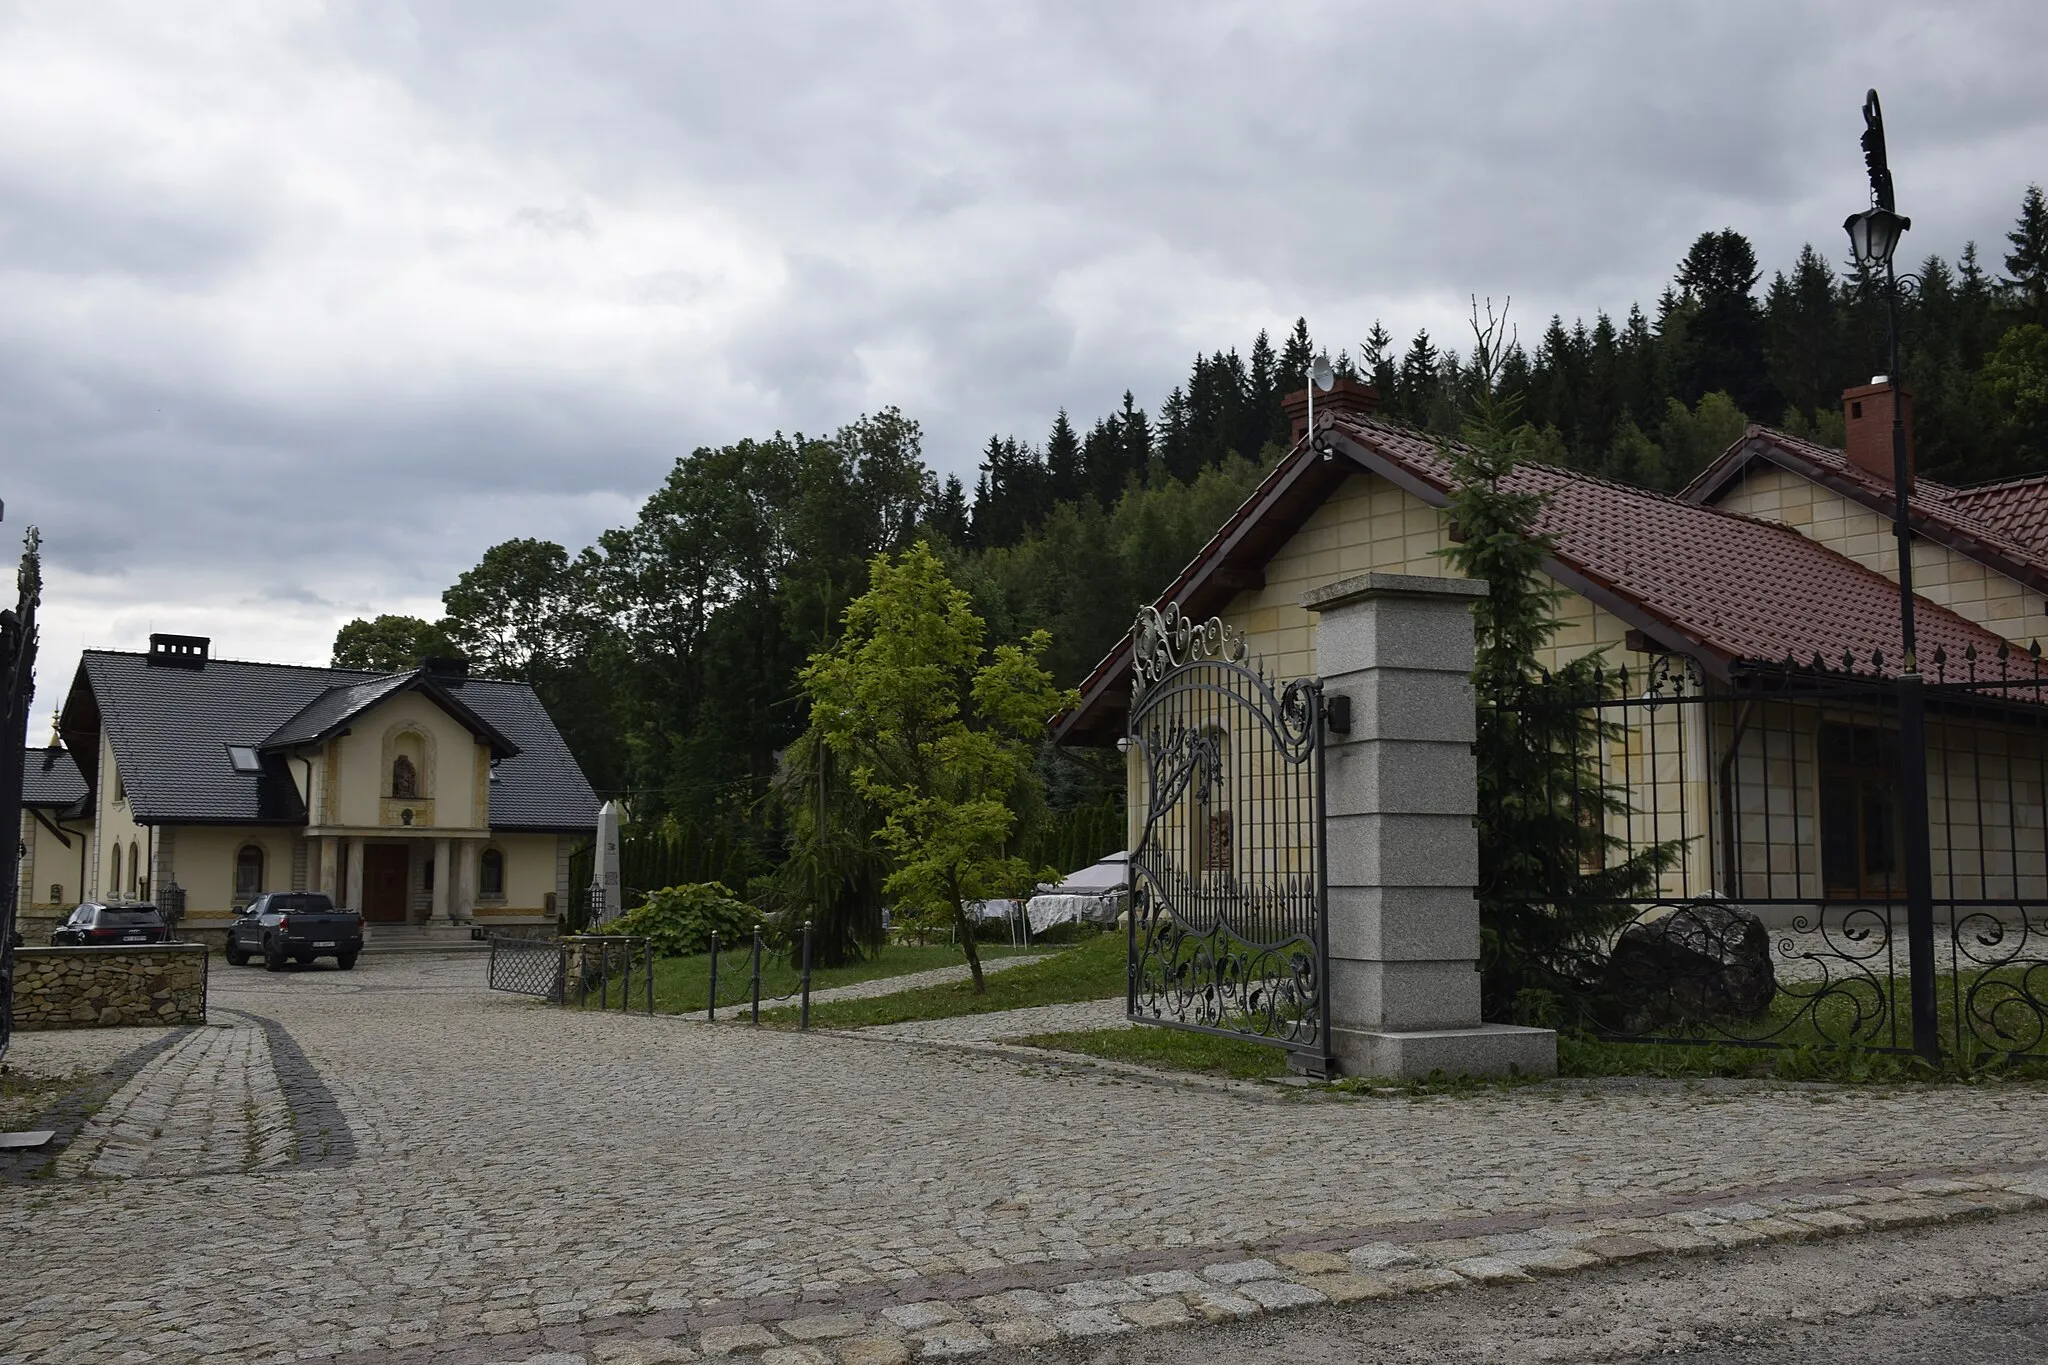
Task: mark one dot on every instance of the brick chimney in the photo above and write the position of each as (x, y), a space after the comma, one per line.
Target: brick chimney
(1867, 418)
(1346, 395)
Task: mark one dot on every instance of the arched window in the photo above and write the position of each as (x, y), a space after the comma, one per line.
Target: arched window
(491, 881)
(405, 779)
(114, 881)
(248, 874)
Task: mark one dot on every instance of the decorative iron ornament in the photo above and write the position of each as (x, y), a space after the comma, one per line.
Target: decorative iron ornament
(1164, 641)
(1779, 922)
(1228, 919)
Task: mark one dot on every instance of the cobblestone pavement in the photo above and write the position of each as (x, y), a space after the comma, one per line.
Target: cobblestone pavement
(66, 1052)
(210, 1103)
(508, 1182)
(991, 1028)
(888, 985)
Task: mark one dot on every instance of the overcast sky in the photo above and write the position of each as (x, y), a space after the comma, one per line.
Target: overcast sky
(302, 306)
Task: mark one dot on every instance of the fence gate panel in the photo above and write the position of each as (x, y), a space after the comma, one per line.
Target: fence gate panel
(1228, 915)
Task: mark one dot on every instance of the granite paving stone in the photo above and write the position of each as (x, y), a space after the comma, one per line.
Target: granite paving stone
(504, 1180)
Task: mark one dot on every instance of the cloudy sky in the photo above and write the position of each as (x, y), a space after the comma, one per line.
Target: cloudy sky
(303, 305)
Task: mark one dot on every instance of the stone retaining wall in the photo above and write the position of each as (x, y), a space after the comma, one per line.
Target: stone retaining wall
(158, 983)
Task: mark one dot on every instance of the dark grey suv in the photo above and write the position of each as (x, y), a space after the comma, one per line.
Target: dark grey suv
(95, 924)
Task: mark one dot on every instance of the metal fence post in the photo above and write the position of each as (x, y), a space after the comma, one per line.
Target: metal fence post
(804, 1017)
(582, 974)
(712, 1014)
(647, 952)
(757, 976)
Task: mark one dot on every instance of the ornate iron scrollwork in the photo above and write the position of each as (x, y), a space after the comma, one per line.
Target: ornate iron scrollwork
(1228, 920)
(1162, 641)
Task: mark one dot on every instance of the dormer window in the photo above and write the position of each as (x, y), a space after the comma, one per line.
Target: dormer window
(244, 758)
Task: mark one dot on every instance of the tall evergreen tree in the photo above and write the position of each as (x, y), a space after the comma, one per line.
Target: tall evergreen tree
(1802, 323)
(2026, 265)
(1724, 335)
(1065, 476)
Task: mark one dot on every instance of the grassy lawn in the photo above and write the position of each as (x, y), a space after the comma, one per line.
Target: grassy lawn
(1093, 970)
(682, 985)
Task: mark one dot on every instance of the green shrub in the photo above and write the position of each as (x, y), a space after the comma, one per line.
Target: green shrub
(679, 920)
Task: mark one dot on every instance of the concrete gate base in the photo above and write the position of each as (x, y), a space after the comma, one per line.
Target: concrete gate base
(1487, 1050)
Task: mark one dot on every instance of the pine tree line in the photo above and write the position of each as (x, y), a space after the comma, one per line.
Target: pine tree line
(1646, 400)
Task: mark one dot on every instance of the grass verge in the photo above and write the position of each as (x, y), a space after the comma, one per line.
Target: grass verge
(682, 985)
(1092, 970)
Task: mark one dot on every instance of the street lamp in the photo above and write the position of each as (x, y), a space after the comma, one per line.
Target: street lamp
(1874, 237)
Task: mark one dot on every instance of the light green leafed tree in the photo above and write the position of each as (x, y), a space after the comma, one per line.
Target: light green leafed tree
(939, 734)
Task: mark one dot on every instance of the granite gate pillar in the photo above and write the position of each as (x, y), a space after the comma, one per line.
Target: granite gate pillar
(1401, 792)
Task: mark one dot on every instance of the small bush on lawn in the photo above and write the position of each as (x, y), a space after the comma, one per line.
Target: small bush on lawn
(677, 921)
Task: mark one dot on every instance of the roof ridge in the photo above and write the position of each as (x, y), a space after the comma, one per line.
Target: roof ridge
(244, 663)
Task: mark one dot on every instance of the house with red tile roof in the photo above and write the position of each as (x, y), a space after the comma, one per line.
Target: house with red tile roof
(1775, 555)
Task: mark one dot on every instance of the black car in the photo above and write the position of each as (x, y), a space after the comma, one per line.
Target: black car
(295, 926)
(97, 925)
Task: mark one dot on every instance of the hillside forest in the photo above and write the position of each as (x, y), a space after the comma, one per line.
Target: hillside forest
(669, 651)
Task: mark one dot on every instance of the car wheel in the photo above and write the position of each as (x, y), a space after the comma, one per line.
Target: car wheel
(345, 961)
(273, 955)
(237, 957)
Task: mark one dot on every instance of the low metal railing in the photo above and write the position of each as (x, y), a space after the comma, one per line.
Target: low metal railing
(748, 953)
(583, 965)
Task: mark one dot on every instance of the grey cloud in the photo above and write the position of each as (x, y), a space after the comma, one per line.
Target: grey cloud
(374, 314)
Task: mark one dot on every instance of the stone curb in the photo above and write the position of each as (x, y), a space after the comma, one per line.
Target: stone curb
(1245, 1287)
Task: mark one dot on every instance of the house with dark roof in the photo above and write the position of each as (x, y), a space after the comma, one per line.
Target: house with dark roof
(420, 796)
(56, 831)
(1780, 552)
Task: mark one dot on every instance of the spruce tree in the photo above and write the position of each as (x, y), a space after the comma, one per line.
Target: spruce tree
(1544, 807)
(1063, 467)
(2026, 279)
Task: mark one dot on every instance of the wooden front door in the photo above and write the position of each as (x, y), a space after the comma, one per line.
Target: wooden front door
(384, 869)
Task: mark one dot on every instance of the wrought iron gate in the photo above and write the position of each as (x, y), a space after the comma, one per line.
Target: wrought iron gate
(1228, 911)
(17, 690)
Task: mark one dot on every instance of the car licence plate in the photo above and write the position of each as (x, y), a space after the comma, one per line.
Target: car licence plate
(328, 944)
(135, 938)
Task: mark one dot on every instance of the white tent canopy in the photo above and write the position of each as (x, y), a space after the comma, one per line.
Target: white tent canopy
(1094, 894)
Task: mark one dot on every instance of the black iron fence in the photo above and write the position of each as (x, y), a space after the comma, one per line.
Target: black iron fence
(1735, 853)
(17, 692)
(585, 968)
(734, 976)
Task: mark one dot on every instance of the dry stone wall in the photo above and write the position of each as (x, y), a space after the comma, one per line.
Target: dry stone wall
(109, 987)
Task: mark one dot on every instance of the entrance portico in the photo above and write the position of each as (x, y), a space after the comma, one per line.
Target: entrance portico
(398, 877)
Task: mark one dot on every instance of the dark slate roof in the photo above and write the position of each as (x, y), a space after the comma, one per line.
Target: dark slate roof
(170, 728)
(50, 779)
(328, 714)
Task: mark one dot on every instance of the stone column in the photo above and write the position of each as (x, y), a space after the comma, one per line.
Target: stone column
(330, 868)
(1401, 790)
(352, 893)
(443, 871)
(466, 854)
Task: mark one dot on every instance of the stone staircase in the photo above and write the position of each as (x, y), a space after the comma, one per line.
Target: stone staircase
(379, 939)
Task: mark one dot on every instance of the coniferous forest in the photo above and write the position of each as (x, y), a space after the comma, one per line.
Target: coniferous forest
(668, 652)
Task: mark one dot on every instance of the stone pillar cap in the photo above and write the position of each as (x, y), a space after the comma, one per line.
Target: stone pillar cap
(1367, 586)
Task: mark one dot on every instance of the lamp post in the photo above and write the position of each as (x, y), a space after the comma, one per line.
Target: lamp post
(1873, 237)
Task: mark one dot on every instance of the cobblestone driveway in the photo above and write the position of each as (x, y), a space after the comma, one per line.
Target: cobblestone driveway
(495, 1167)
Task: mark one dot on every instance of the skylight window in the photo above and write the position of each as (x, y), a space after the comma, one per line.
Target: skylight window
(244, 758)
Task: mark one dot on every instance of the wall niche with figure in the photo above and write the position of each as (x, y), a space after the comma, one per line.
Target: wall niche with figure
(407, 777)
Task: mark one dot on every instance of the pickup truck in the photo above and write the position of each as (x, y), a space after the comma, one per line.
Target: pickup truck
(297, 926)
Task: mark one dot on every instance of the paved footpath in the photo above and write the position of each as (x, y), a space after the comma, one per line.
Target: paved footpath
(478, 1178)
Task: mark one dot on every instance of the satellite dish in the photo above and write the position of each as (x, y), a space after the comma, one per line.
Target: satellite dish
(1324, 377)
